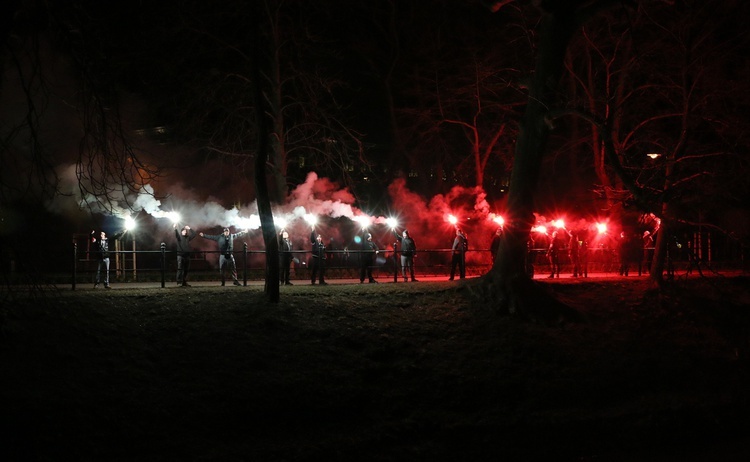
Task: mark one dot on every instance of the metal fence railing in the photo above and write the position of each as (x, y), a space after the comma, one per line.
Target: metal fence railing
(160, 265)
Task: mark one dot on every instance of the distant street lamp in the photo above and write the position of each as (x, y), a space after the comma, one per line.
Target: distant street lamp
(653, 155)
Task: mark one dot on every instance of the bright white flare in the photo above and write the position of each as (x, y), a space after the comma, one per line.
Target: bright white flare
(173, 216)
(363, 220)
(280, 222)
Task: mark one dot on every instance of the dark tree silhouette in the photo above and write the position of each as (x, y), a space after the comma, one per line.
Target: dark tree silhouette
(660, 84)
(508, 280)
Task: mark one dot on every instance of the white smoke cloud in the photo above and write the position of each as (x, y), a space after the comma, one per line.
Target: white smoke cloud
(316, 196)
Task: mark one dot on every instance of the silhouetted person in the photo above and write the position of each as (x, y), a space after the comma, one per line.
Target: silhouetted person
(623, 252)
(183, 237)
(648, 250)
(556, 246)
(285, 257)
(583, 253)
(367, 259)
(458, 257)
(495, 244)
(529, 261)
(574, 252)
(225, 243)
(102, 249)
(408, 251)
(318, 258)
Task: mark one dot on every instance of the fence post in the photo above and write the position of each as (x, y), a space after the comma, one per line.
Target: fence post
(462, 265)
(395, 261)
(163, 263)
(244, 264)
(75, 264)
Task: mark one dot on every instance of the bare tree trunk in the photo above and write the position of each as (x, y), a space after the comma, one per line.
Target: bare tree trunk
(509, 269)
(261, 183)
(278, 161)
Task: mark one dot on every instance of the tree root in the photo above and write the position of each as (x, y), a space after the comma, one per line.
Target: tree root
(524, 298)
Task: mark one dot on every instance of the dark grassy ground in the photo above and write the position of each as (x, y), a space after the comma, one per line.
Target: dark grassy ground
(384, 372)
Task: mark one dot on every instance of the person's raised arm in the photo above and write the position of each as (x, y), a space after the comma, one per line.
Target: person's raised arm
(209, 236)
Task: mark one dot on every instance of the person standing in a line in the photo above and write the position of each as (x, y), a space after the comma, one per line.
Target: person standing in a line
(495, 244)
(408, 251)
(102, 249)
(460, 245)
(648, 250)
(623, 247)
(184, 236)
(225, 243)
(318, 258)
(559, 240)
(285, 257)
(574, 252)
(369, 250)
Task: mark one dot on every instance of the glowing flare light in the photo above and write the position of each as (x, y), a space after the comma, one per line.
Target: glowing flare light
(173, 216)
(364, 221)
(280, 222)
(129, 223)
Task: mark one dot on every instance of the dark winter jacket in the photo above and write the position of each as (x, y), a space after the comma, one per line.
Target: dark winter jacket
(369, 248)
(408, 246)
(285, 249)
(460, 243)
(226, 243)
(318, 248)
(102, 245)
(183, 242)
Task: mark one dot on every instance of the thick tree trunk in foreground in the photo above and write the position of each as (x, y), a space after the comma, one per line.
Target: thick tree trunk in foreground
(509, 284)
(267, 225)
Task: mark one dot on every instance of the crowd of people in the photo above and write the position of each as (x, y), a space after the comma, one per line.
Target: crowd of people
(633, 251)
